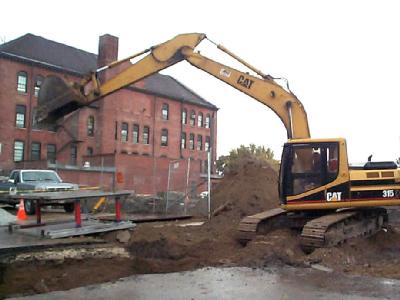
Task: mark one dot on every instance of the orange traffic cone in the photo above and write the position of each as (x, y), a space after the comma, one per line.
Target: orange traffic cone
(21, 215)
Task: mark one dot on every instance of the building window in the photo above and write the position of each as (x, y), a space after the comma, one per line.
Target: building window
(19, 150)
(124, 132)
(135, 134)
(183, 140)
(73, 154)
(191, 141)
(89, 151)
(20, 112)
(22, 82)
(207, 144)
(200, 120)
(116, 131)
(38, 83)
(51, 153)
(207, 122)
(35, 151)
(146, 135)
(184, 116)
(90, 126)
(165, 111)
(199, 143)
(192, 118)
(164, 137)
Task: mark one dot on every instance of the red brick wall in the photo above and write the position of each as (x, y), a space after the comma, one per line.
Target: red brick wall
(145, 167)
(9, 98)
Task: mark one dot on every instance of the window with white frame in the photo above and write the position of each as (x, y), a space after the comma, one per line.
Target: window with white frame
(199, 142)
(124, 132)
(20, 113)
(146, 135)
(90, 126)
(51, 153)
(183, 140)
(165, 111)
(184, 116)
(35, 151)
(192, 120)
(207, 121)
(22, 82)
(19, 147)
(191, 141)
(135, 134)
(200, 119)
(164, 137)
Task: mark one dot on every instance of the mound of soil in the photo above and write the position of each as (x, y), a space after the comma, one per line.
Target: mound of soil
(249, 189)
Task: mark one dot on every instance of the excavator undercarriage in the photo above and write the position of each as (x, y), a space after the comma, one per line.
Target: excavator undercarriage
(319, 229)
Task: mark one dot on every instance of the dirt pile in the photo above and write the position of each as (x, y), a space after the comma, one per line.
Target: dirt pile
(374, 256)
(247, 190)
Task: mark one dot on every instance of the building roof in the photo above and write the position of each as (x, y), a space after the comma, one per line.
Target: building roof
(37, 50)
(168, 86)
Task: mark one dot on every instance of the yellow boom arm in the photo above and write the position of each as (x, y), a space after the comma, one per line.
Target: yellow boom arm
(262, 88)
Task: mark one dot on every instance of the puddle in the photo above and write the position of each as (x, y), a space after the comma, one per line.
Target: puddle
(237, 283)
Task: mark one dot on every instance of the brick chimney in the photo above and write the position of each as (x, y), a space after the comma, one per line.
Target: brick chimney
(108, 50)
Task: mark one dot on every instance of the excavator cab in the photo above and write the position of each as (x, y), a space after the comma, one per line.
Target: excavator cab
(307, 170)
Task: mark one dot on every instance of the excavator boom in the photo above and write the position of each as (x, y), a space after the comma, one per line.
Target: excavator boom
(57, 98)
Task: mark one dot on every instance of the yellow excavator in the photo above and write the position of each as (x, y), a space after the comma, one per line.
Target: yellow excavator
(319, 192)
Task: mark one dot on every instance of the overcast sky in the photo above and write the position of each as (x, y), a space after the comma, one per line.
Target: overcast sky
(341, 58)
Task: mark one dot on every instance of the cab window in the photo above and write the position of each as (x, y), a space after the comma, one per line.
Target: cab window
(308, 166)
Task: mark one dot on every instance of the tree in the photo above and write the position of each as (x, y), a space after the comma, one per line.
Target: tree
(236, 156)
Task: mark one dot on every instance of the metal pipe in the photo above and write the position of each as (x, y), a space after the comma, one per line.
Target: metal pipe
(289, 108)
(230, 53)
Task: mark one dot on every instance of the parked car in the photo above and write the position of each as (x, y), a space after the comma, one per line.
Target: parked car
(35, 181)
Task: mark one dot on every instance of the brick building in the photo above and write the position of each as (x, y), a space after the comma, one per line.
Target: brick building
(156, 132)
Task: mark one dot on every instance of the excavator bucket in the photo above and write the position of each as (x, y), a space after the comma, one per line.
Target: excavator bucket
(57, 99)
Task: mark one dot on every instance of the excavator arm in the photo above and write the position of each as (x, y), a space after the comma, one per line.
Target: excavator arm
(285, 104)
(57, 98)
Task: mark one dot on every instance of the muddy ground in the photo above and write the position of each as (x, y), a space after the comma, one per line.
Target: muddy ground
(177, 246)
